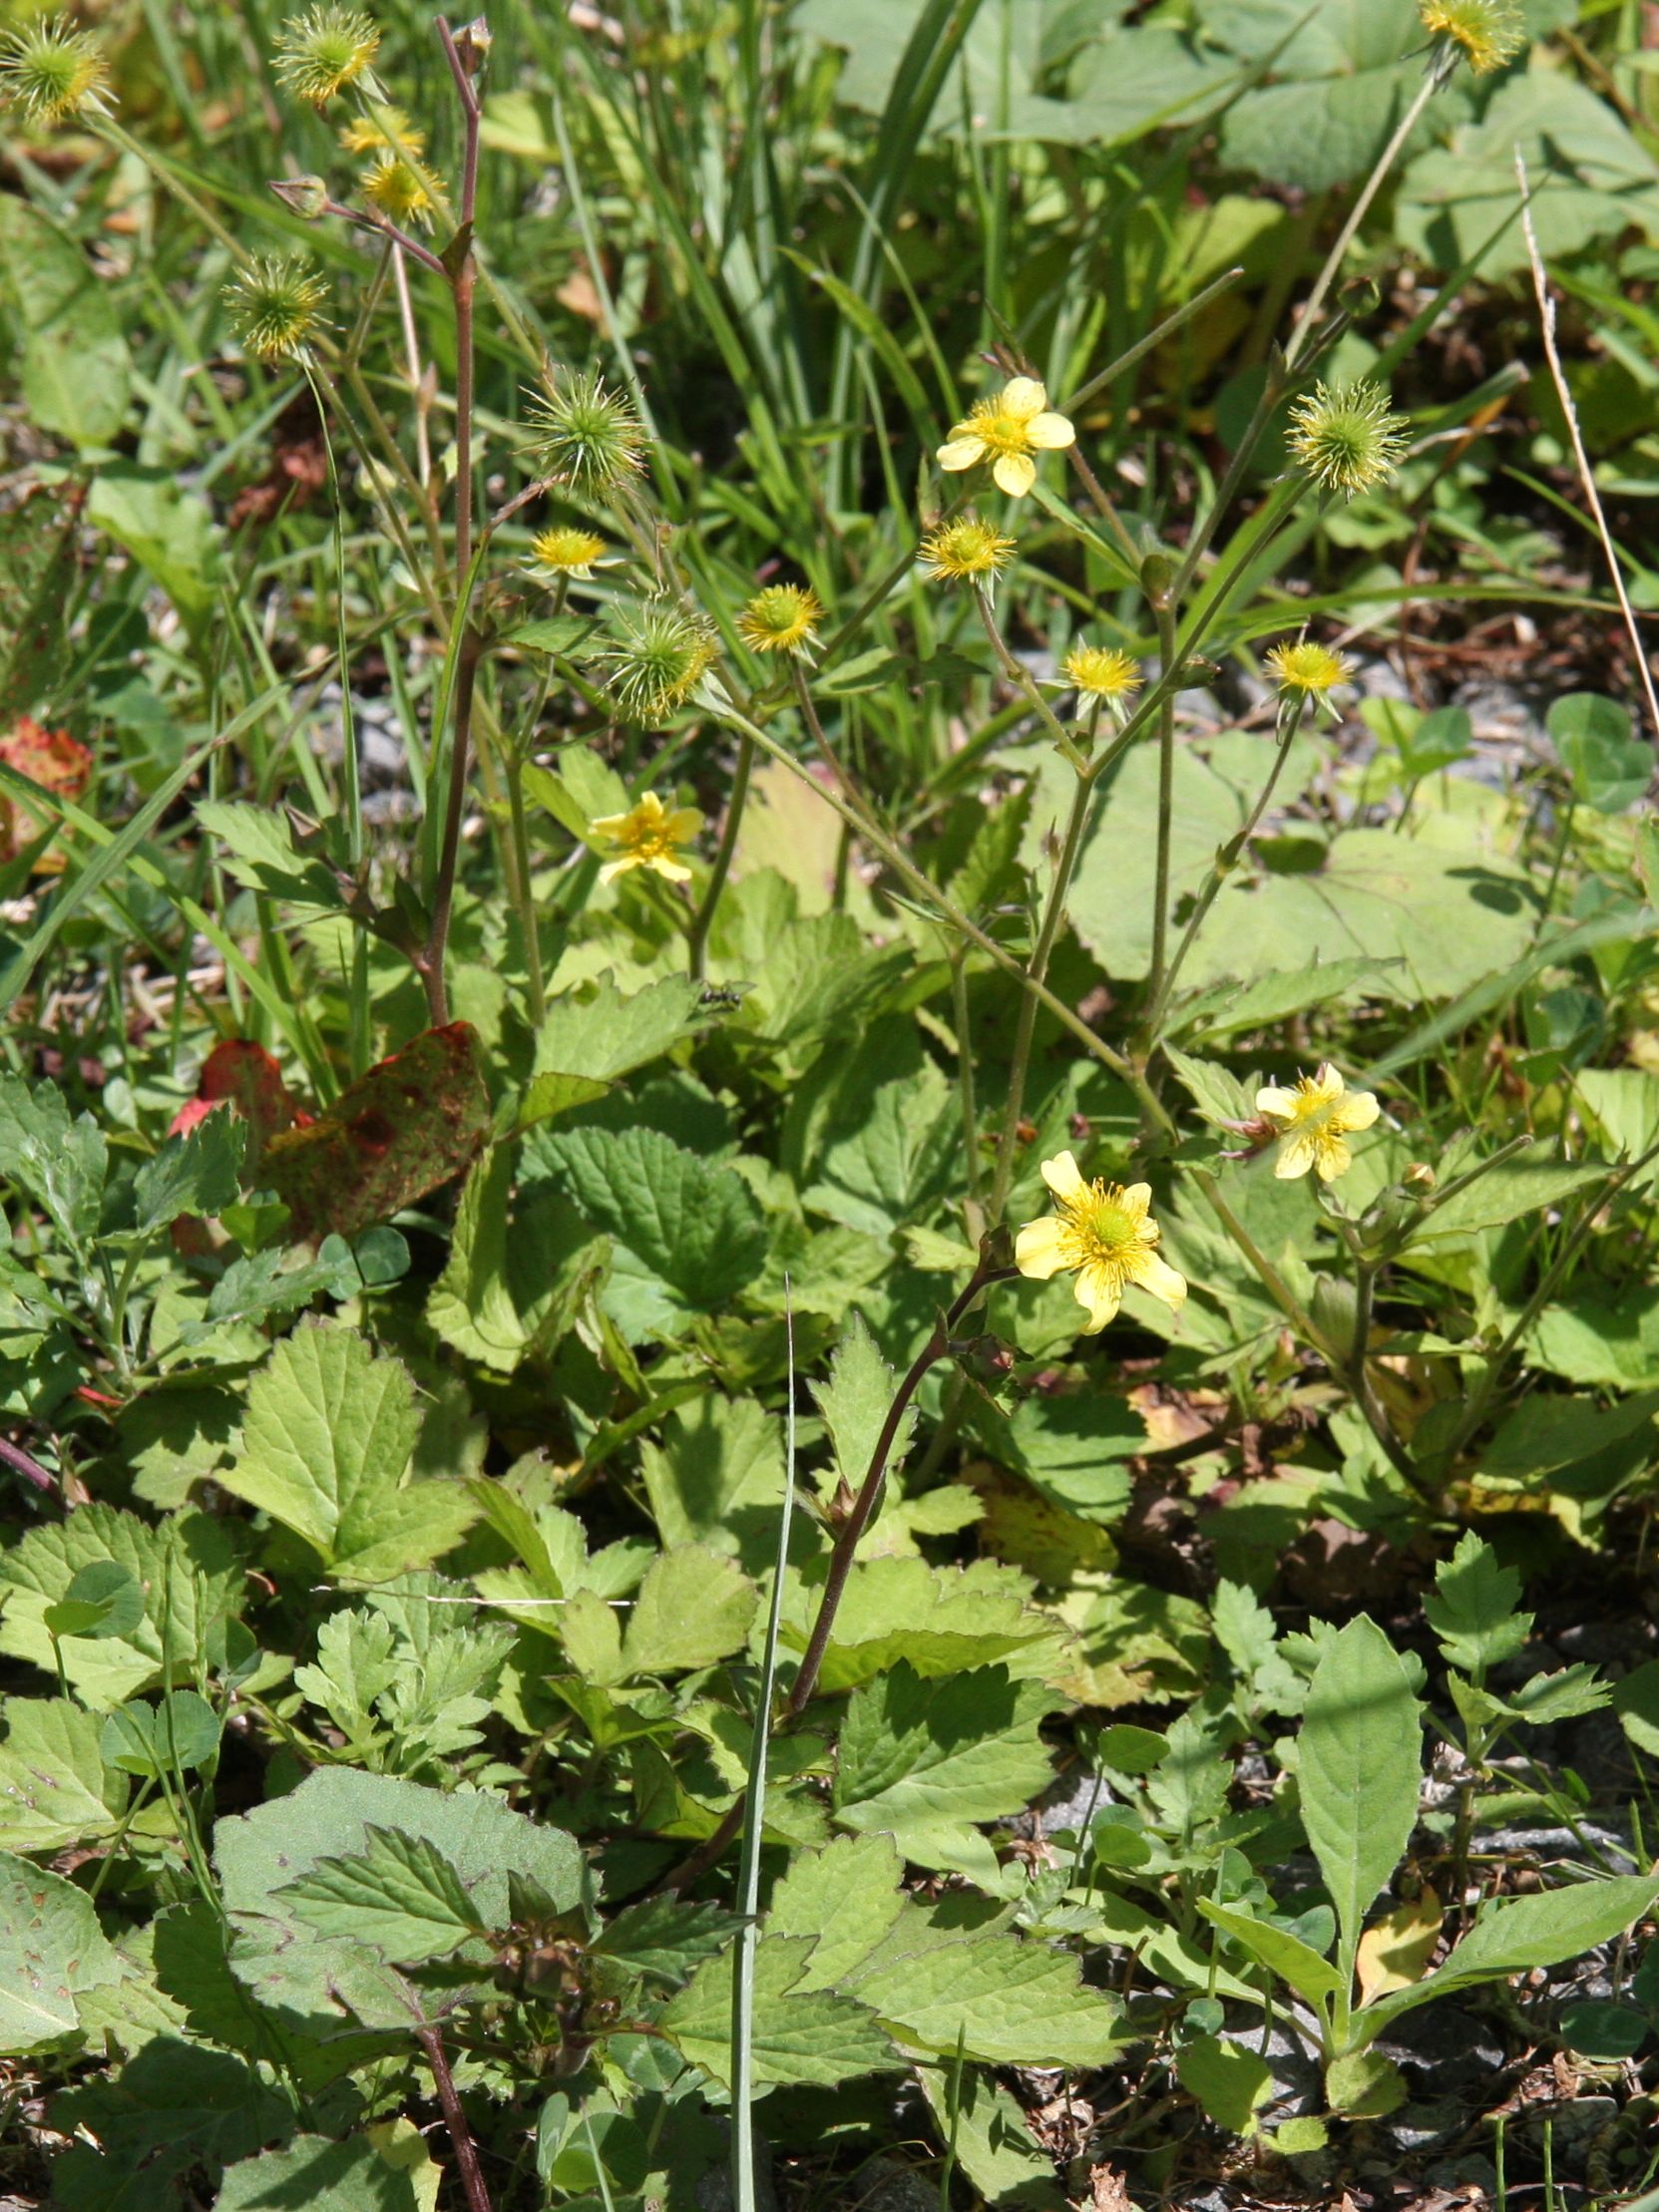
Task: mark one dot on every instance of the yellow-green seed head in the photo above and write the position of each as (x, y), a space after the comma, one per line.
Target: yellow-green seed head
(586, 436)
(276, 307)
(1345, 437)
(50, 71)
(1487, 33)
(658, 656)
(321, 51)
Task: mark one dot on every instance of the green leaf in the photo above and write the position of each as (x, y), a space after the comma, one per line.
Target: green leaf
(105, 1598)
(164, 1739)
(846, 1896)
(191, 1576)
(1230, 2082)
(1225, 1009)
(167, 527)
(58, 1163)
(55, 1787)
(855, 1403)
(1472, 1611)
(400, 1895)
(1597, 2030)
(1610, 768)
(328, 1438)
(364, 2173)
(1636, 1701)
(1009, 2002)
(918, 1754)
(799, 2036)
(693, 1608)
(1515, 1935)
(665, 1939)
(891, 1156)
(939, 1620)
(1287, 1956)
(1529, 1183)
(76, 369)
(1364, 2085)
(698, 1230)
(1215, 1090)
(197, 1173)
(38, 565)
(1359, 1760)
(995, 2145)
(716, 1478)
(603, 1034)
(51, 1948)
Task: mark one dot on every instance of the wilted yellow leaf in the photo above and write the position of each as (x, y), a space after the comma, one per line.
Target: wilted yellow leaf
(1395, 1950)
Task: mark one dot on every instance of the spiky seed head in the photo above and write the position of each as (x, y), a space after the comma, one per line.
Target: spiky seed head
(966, 551)
(1487, 33)
(658, 656)
(276, 306)
(586, 436)
(1346, 438)
(322, 51)
(49, 71)
(781, 619)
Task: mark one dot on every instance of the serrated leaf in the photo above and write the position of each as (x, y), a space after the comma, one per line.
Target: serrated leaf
(604, 1033)
(918, 1754)
(694, 1607)
(855, 1402)
(1472, 1609)
(716, 1478)
(696, 1229)
(328, 1438)
(197, 1173)
(1358, 1771)
(1012, 2001)
(360, 2174)
(939, 1620)
(400, 1895)
(1530, 1184)
(846, 1896)
(51, 1947)
(798, 2036)
(55, 1787)
(1364, 2085)
(57, 1162)
(665, 1939)
(76, 368)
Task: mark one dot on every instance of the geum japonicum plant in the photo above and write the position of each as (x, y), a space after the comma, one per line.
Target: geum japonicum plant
(719, 1148)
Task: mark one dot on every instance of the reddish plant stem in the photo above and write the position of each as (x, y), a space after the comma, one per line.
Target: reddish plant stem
(455, 2120)
(841, 1559)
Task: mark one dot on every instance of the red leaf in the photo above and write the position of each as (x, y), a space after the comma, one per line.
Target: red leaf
(410, 1124)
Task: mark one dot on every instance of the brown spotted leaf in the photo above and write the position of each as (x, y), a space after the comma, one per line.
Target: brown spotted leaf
(37, 566)
(411, 1124)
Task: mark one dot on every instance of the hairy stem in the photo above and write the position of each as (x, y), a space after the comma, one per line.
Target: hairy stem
(704, 922)
(455, 2120)
(1163, 609)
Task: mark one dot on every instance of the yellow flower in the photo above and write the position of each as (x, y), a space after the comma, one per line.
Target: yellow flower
(564, 550)
(781, 619)
(1102, 672)
(1491, 31)
(649, 836)
(373, 133)
(1105, 1233)
(1314, 670)
(1007, 431)
(1315, 1119)
(403, 189)
(966, 548)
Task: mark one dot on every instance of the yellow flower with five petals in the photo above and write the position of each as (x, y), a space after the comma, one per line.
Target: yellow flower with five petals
(1007, 431)
(649, 836)
(1315, 1118)
(1105, 1234)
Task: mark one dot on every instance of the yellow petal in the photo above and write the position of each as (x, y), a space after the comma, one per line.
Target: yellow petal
(1063, 1175)
(1327, 1084)
(684, 825)
(1333, 1159)
(1051, 432)
(1274, 1100)
(1103, 1294)
(671, 869)
(1158, 1277)
(960, 453)
(609, 825)
(1297, 1154)
(1013, 473)
(1022, 397)
(1357, 1110)
(1138, 1201)
(618, 867)
(1037, 1251)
